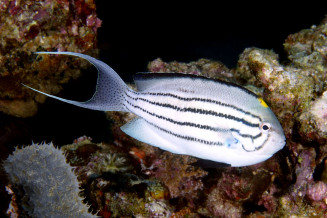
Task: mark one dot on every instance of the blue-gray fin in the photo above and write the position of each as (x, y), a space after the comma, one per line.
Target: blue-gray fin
(109, 94)
(141, 130)
(145, 81)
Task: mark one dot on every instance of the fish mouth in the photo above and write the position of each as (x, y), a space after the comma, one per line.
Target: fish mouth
(279, 145)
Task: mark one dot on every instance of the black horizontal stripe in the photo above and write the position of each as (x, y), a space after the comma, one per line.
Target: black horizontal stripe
(197, 110)
(207, 100)
(246, 135)
(195, 125)
(187, 138)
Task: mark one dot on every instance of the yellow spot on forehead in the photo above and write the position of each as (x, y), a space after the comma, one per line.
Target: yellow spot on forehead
(262, 102)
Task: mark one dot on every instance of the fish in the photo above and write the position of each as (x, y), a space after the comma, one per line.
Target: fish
(188, 114)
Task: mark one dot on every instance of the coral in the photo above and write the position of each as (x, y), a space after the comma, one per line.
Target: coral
(238, 191)
(319, 112)
(295, 202)
(109, 178)
(203, 67)
(177, 173)
(307, 50)
(268, 199)
(45, 183)
(28, 26)
(294, 91)
(185, 212)
(316, 115)
(288, 91)
(95, 159)
(219, 207)
(174, 171)
(287, 208)
(318, 191)
(125, 204)
(129, 204)
(112, 163)
(304, 173)
(13, 210)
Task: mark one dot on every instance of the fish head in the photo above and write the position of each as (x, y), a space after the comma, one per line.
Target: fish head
(272, 131)
(265, 137)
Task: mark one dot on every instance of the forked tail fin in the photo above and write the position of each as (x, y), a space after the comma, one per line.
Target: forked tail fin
(110, 89)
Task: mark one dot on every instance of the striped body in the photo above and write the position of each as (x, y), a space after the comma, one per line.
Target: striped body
(196, 120)
(187, 114)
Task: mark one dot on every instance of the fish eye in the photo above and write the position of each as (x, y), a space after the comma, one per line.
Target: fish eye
(265, 127)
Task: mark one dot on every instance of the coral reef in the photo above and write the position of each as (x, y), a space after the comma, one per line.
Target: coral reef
(316, 117)
(296, 93)
(177, 173)
(203, 67)
(304, 188)
(44, 182)
(307, 50)
(28, 26)
(219, 207)
(114, 184)
(239, 190)
(287, 90)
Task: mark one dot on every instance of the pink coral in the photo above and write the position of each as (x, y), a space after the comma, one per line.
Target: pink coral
(319, 113)
(318, 191)
(304, 171)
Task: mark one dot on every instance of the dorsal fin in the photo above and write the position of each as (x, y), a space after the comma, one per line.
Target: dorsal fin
(146, 80)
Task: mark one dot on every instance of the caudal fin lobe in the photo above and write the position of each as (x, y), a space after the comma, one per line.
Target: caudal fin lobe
(110, 88)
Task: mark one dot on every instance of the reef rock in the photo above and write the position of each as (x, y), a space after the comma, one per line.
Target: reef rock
(29, 26)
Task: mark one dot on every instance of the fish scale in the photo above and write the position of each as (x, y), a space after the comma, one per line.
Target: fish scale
(188, 114)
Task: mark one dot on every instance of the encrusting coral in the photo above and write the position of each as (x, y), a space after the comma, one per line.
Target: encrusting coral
(203, 67)
(45, 183)
(177, 173)
(113, 181)
(29, 26)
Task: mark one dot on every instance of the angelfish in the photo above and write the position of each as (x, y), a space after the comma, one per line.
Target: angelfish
(188, 114)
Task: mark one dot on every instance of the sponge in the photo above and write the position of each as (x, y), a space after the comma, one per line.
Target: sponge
(49, 184)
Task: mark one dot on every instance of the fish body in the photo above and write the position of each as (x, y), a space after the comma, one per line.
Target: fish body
(188, 114)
